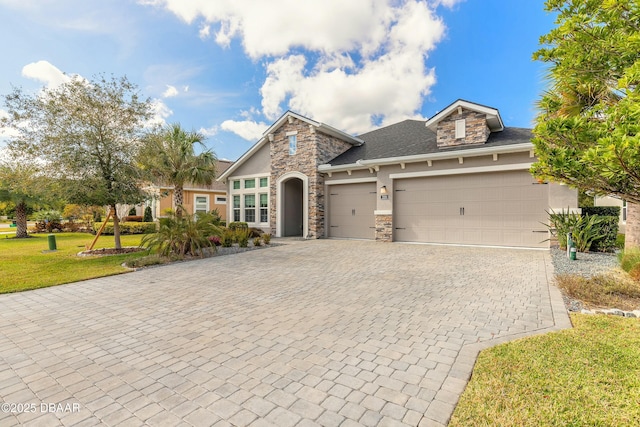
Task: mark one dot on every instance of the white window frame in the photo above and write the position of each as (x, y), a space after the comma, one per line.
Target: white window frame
(241, 192)
(195, 203)
(234, 208)
(260, 208)
(293, 144)
(460, 128)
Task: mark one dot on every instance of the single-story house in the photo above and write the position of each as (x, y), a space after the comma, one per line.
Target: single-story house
(460, 177)
(197, 198)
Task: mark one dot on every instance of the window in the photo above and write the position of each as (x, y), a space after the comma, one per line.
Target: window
(264, 207)
(236, 208)
(250, 183)
(460, 128)
(236, 185)
(201, 204)
(249, 208)
(221, 200)
(624, 211)
(264, 182)
(293, 144)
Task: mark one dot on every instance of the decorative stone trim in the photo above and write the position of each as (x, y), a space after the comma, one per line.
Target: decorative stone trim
(384, 228)
(612, 311)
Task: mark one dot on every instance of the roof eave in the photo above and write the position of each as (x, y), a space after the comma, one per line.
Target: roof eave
(473, 152)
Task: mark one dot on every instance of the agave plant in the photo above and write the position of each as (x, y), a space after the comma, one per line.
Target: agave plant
(183, 235)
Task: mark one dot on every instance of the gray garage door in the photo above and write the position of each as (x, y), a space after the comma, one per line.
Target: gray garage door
(351, 208)
(501, 208)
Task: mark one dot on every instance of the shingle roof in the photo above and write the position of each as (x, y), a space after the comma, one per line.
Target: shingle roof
(411, 137)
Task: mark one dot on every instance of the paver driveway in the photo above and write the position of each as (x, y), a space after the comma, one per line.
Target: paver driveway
(325, 332)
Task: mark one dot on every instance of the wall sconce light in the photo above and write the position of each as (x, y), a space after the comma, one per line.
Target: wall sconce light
(384, 194)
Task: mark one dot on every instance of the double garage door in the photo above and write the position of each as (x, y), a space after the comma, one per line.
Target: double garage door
(501, 208)
(497, 208)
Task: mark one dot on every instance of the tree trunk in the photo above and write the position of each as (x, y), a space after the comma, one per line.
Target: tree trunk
(178, 199)
(21, 220)
(116, 228)
(632, 229)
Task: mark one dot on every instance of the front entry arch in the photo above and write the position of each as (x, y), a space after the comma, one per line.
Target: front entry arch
(292, 207)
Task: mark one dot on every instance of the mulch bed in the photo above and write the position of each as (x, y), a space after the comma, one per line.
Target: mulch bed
(111, 251)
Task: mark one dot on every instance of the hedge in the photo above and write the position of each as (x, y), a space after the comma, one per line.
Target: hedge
(609, 227)
(601, 210)
(127, 227)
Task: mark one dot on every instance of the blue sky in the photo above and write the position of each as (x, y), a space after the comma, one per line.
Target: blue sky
(230, 68)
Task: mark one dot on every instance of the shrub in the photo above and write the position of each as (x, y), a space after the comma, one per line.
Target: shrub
(132, 211)
(609, 231)
(48, 221)
(215, 240)
(127, 227)
(257, 242)
(183, 235)
(148, 216)
(217, 220)
(620, 241)
(242, 237)
(602, 210)
(255, 232)
(236, 225)
(585, 230)
(266, 237)
(629, 259)
(227, 238)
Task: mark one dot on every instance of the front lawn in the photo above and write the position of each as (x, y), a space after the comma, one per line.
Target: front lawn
(585, 376)
(25, 263)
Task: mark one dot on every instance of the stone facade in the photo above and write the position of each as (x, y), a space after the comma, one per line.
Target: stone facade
(632, 231)
(476, 129)
(384, 228)
(313, 149)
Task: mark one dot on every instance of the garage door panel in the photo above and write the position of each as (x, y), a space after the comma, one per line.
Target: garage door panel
(500, 208)
(351, 210)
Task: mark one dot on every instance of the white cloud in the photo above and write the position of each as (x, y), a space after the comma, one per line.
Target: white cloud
(208, 132)
(205, 32)
(170, 92)
(247, 129)
(346, 63)
(46, 73)
(160, 113)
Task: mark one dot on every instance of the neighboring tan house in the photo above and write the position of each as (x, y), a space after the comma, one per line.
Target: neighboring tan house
(614, 201)
(199, 198)
(461, 177)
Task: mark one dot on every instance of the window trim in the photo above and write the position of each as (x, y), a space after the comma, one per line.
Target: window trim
(293, 144)
(242, 192)
(220, 200)
(195, 203)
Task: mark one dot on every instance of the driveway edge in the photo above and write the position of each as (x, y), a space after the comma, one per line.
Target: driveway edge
(440, 412)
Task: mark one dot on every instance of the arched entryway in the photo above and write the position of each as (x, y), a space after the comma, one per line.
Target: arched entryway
(292, 206)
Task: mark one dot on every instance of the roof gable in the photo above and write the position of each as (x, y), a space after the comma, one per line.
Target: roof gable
(494, 121)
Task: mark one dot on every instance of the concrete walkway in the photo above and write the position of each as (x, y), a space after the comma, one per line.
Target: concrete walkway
(327, 332)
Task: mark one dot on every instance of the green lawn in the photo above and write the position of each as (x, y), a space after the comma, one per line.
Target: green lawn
(25, 263)
(585, 376)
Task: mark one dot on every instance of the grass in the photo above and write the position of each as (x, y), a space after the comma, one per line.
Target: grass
(25, 264)
(585, 376)
(613, 289)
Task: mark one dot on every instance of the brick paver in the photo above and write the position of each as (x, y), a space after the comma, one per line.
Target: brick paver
(322, 332)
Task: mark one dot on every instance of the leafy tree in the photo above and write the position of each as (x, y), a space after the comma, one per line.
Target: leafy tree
(169, 156)
(26, 186)
(587, 132)
(88, 134)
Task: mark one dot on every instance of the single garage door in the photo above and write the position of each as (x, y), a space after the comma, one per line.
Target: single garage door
(498, 208)
(351, 210)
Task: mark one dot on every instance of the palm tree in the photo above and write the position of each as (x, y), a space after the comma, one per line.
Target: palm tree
(169, 156)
